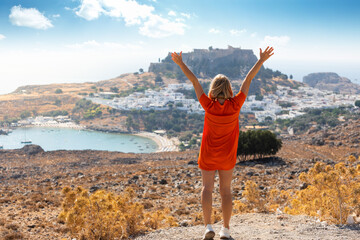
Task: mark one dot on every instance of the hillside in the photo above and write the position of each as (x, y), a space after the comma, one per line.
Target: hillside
(332, 82)
(31, 181)
(43, 98)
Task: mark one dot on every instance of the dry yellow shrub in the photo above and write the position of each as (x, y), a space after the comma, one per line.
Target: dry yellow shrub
(333, 193)
(102, 215)
(254, 201)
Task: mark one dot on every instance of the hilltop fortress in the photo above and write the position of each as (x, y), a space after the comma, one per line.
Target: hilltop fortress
(206, 63)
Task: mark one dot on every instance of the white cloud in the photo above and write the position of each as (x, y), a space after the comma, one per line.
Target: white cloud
(235, 32)
(29, 17)
(276, 40)
(158, 27)
(185, 15)
(92, 44)
(56, 15)
(89, 9)
(133, 13)
(253, 34)
(214, 31)
(2, 37)
(172, 13)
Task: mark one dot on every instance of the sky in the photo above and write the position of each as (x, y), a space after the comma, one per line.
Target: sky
(65, 41)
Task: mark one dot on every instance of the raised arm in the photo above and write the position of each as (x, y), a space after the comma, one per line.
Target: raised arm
(177, 58)
(255, 69)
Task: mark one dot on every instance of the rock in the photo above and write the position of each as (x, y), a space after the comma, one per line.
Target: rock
(94, 188)
(192, 163)
(303, 186)
(317, 141)
(250, 173)
(184, 223)
(338, 144)
(2, 132)
(32, 149)
(163, 182)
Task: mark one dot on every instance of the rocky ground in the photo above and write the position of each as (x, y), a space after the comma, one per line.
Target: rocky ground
(254, 226)
(31, 181)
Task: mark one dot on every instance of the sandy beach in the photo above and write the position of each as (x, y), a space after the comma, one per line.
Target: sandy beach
(58, 125)
(165, 144)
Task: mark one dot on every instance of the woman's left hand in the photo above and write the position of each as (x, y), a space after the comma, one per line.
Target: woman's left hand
(266, 54)
(177, 58)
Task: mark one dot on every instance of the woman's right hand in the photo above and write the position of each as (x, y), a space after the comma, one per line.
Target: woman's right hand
(177, 58)
(266, 54)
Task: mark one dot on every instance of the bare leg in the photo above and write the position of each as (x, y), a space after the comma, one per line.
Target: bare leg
(206, 194)
(226, 195)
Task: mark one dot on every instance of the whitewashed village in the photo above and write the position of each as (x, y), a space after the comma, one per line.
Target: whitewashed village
(275, 106)
(286, 103)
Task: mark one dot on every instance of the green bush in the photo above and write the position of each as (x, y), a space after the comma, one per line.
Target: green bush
(58, 91)
(257, 143)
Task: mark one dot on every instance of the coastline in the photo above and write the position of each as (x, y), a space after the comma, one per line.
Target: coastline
(164, 144)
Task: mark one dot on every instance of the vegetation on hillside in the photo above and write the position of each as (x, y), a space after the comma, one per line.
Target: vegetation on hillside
(86, 109)
(320, 117)
(172, 120)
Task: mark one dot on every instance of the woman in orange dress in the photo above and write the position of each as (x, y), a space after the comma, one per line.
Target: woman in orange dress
(220, 137)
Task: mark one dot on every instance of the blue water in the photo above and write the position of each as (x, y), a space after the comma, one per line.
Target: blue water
(73, 139)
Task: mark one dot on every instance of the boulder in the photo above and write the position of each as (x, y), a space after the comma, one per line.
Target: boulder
(32, 149)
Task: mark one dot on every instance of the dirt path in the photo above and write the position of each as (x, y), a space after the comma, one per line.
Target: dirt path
(258, 226)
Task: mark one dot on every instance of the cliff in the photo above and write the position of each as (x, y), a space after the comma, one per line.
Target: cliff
(332, 82)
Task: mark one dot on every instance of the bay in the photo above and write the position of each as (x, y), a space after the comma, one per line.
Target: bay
(74, 139)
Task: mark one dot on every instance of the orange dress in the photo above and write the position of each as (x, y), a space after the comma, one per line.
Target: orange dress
(221, 132)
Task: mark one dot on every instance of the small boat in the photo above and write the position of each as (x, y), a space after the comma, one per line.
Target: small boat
(26, 141)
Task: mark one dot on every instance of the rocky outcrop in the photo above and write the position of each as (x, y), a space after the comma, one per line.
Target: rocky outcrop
(332, 82)
(206, 63)
(32, 149)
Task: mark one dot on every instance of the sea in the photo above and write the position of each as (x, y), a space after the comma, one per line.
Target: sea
(74, 139)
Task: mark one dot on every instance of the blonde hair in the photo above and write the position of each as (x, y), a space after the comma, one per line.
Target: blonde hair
(220, 87)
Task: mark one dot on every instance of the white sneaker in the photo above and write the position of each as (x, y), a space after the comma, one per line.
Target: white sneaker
(209, 232)
(224, 233)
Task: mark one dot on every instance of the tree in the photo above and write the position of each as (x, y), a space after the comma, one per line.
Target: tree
(259, 97)
(114, 89)
(141, 70)
(57, 102)
(257, 143)
(291, 76)
(158, 80)
(25, 114)
(58, 91)
(357, 103)
(210, 48)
